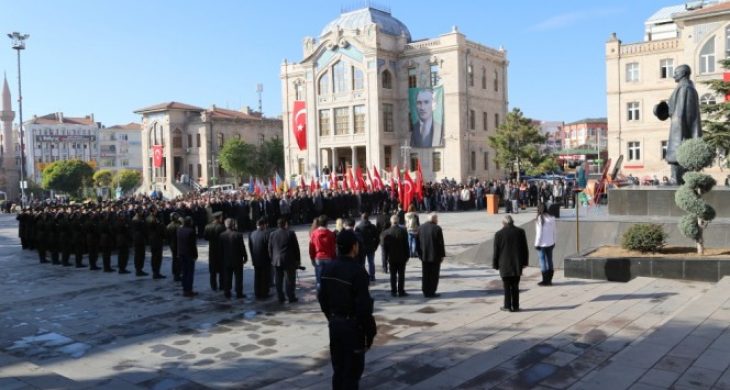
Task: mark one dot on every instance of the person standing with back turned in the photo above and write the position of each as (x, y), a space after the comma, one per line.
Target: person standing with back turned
(544, 243)
(345, 301)
(510, 257)
(431, 251)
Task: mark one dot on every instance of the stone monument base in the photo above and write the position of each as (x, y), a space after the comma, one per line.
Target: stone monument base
(659, 201)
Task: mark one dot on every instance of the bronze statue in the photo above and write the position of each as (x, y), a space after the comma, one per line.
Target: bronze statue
(684, 109)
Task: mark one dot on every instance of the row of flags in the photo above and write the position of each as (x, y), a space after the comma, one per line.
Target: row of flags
(351, 180)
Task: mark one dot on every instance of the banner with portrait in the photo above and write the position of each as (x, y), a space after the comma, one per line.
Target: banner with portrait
(426, 108)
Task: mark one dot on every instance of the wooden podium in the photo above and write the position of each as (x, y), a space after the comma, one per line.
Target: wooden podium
(492, 204)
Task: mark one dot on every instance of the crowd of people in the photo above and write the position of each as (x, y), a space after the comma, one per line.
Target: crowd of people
(343, 258)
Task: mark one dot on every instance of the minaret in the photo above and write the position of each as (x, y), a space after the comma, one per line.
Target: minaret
(9, 170)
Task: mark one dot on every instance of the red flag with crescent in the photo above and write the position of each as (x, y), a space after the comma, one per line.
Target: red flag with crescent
(408, 190)
(300, 124)
(377, 182)
(419, 181)
(157, 155)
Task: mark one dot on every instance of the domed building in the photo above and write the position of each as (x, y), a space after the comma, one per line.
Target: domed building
(366, 94)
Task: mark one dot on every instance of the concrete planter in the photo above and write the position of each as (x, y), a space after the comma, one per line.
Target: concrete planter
(624, 269)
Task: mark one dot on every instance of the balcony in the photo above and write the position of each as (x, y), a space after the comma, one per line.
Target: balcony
(651, 47)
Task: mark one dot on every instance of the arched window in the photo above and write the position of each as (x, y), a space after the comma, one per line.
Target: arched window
(387, 79)
(707, 56)
(156, 135)
(177, 138)
(496, 81)
(484, 78)
(470, 74)
(323, 86)
(708, 99)
(358, 80)
(299, 90)
(338, 72)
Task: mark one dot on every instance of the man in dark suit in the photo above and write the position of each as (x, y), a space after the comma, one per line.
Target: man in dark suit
(396, 253)
(187, 251)
(234, 256)
(426, 133)
(258, 244)
(510, 257)
(284, 253)
(431, 251)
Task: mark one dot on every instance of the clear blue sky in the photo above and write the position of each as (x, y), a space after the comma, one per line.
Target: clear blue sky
(112, 57)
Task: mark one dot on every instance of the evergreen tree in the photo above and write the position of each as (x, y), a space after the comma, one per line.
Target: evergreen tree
(716, 125)
(517, 143)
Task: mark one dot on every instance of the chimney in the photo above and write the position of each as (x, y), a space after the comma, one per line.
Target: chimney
(59, 116)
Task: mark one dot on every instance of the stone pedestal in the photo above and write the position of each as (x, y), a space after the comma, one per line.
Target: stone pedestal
(659, 201)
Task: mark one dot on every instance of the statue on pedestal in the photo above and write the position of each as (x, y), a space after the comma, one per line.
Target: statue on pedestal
(683, 108)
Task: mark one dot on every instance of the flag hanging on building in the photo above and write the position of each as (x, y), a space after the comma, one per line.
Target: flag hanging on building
(157, 156)
(300, 123)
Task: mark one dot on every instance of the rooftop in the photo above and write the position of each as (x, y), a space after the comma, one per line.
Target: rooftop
(128, 126)
(359, 19)
(588, 120)
(173, 105)
(58, 118)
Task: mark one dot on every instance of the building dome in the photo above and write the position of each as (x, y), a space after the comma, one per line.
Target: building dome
(360, 18)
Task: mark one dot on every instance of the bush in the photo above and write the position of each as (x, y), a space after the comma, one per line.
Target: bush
(695, 154)
(644, 238)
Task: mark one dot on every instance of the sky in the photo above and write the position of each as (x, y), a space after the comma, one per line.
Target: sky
(110, 58)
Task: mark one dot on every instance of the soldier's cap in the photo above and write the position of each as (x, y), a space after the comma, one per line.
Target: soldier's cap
(217, 214)
(345, 240)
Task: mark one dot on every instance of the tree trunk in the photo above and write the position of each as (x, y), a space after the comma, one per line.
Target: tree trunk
(700, 239)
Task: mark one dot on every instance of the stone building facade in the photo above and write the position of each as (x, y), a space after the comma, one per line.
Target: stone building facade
(120, 147)
(55, 137)
(361, 84)
(639, 75)
(191, 138)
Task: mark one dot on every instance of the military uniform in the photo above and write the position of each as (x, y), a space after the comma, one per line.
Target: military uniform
(39, 236)
(122, 240)
(91, 232)
(171, 235)
(156, 237)
(138, 240)
(345, 301)
(211, 234)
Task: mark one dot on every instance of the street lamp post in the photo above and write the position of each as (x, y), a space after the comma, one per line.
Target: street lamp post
(18, 44)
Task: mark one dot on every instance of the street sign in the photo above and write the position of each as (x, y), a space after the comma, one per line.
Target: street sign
(24, 184)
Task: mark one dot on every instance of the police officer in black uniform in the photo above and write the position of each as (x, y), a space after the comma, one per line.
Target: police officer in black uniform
(345, 301)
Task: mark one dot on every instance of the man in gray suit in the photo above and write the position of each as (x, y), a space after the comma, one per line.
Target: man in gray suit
(425, 133)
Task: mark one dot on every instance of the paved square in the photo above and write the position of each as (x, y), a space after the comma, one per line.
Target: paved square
(73, 328)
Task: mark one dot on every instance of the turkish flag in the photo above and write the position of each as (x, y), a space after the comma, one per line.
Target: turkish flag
(396, 174)
(419, 181)
(300, 124)
(350, 180)
(157, 155)
(408, 190)
(333, 181)
(359, 179)
(370, 179)
(726, 79)
(377, 182)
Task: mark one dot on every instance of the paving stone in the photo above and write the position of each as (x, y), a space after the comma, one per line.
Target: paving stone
(697, 377)
(660, 378)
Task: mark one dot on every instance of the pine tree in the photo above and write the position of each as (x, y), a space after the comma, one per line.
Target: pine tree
(716, 125)
(517, 143)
